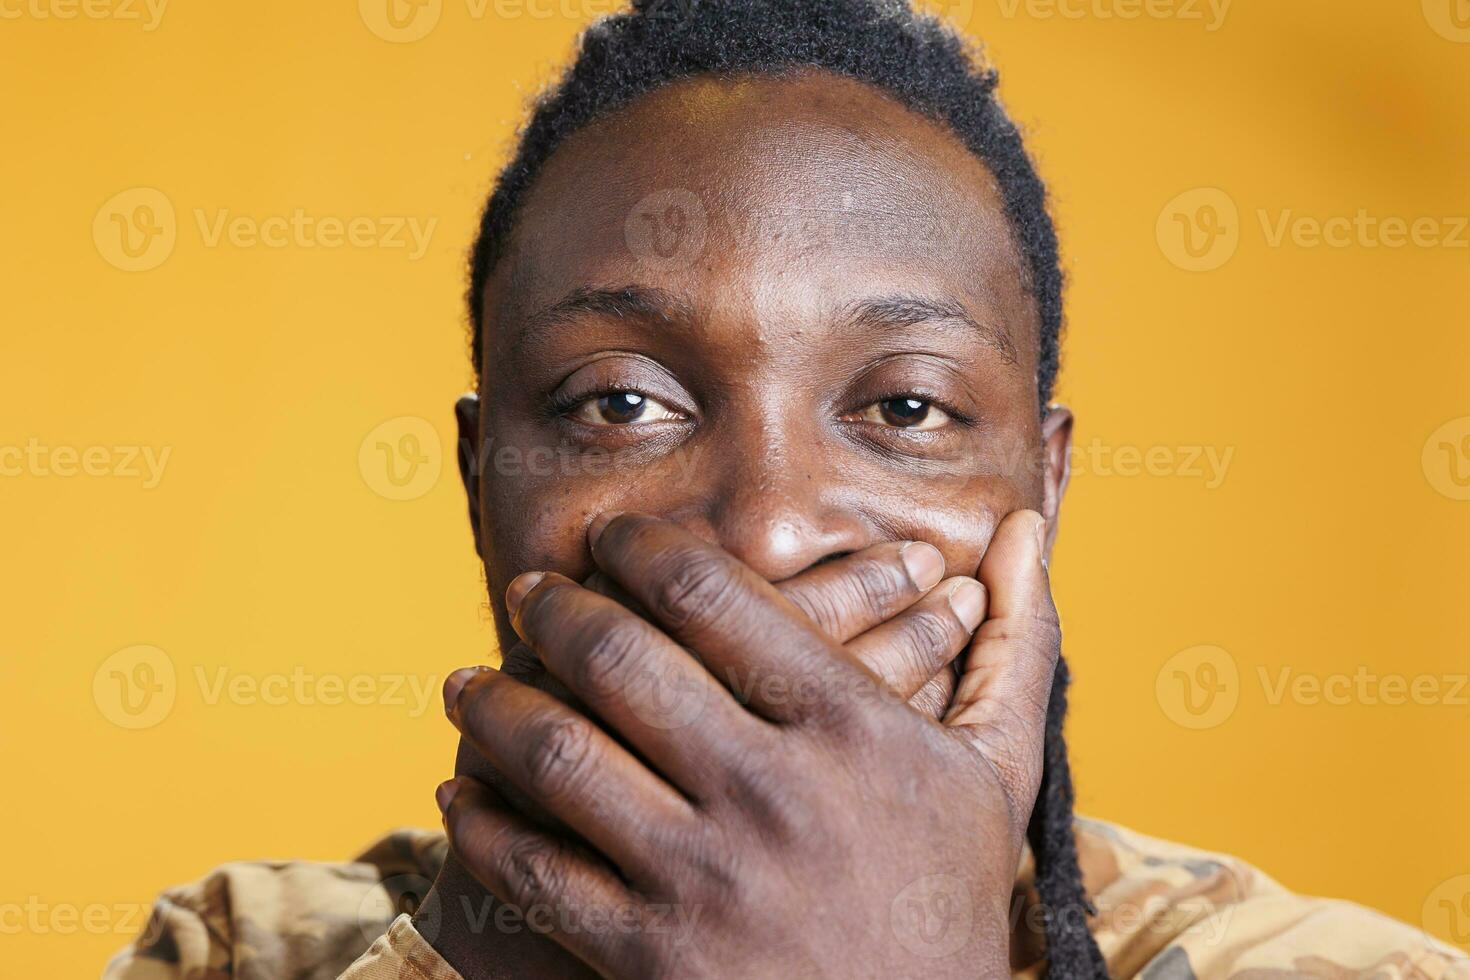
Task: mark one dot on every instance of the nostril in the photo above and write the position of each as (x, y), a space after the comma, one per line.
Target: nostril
(834, 556)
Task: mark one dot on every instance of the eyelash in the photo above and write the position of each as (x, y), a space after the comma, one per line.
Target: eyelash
(955, 415)
(564, 403)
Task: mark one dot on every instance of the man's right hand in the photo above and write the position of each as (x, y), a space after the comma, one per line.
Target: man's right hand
(889, 606)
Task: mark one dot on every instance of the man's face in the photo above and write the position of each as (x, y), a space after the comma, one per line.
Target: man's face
(785, 313)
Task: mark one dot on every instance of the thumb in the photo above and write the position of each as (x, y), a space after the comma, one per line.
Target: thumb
(1000, 704)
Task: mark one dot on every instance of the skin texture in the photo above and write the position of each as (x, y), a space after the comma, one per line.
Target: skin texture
(847, 251)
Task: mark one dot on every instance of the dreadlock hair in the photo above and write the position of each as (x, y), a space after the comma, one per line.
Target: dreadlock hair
(930, 69)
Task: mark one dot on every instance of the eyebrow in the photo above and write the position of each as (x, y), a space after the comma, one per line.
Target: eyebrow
(646, 303)
(659, 306)
(908, 311)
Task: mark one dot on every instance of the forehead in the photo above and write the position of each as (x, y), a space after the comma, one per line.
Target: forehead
(772, 198)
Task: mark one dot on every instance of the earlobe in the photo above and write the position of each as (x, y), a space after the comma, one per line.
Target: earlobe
(1056, 447)
(467, 415)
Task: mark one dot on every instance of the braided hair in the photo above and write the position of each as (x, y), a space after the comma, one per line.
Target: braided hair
(927, 67)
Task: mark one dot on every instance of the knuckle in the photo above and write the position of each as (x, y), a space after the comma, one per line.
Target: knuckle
(821, 606)
(875, 585)
(1048, 637)
(694, 593)
(556, 756)
(718, 865)
(931, 637)
(786, 816)
(1046, 615)
(933, 697)
(530, 871)
(611, 653)
(1037, 634)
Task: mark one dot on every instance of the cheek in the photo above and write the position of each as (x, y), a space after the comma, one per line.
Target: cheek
(536, 507)
(534, 524)
(958, 519)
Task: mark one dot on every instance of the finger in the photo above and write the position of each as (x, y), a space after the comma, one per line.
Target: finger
(565, 764)
(932, 701)
(1007, 674)
(643, 685)
(852, 594)
(908, 650)
(740, 627)
(551, 881)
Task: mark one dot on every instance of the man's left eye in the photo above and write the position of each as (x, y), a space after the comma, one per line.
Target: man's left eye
(906, 413)
(623, 408)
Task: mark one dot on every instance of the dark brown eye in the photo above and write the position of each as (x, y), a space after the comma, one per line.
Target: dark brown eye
(623, 408)
(906, 413)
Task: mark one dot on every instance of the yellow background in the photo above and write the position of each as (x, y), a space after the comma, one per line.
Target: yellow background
(265, 548)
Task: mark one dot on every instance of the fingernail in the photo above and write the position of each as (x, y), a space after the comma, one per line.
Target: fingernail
(454, 684)
(519, 586)
(924, 564)
(967, 599)
(1041, 539)
(444, 795)
(594, 530)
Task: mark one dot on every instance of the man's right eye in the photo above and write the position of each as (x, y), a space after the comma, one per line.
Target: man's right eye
(623, 408)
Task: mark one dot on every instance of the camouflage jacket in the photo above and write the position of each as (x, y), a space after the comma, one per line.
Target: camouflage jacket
(1164, 912)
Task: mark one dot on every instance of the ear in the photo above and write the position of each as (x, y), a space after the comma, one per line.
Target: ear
(467, 414)
(1056, 449)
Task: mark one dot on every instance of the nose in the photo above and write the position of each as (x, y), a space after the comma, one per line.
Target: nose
(776, 514)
